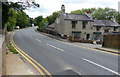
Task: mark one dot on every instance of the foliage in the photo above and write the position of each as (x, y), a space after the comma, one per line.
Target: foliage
(105, 14)
(83, 11)
(99, 13)
(15, 10)
(22, 19)
(118, 18)
(42, 24)
(12, 49)
(38, 20)
(11, 24)
(51, 19)
(7, 52)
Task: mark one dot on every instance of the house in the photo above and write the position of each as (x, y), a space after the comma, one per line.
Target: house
(81, 26)
(104, 27)
(75, 26)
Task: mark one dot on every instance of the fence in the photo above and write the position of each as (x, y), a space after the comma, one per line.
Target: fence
(111, 41)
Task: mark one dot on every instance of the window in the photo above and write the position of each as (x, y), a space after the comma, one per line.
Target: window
(98, 28)
(106, 30)
(84, 23)
(115, 28)
(74, 24)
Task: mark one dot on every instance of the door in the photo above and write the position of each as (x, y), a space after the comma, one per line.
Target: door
(87, 36)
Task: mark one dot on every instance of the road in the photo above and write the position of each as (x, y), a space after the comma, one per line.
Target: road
(61, 58)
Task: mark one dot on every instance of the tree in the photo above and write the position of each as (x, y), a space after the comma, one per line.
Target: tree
(22, 19)
(18, 6)
(83, 11)
(99, 13)
(11, 24)
(38, 20)
(105, 14)
(42, 24)
(118, 18)
(51, 19)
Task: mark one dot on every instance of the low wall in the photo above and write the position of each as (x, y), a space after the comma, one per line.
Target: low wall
(111, 41)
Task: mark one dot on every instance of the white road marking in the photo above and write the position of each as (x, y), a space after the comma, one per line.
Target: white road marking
(38, 40)
(101, 66)
(55, 47)
(30, 35)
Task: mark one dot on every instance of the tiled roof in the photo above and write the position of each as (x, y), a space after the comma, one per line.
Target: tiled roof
(105, 23)
(52, 25)
(68, 16)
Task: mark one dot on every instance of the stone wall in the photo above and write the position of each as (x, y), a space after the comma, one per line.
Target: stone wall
(111, 41)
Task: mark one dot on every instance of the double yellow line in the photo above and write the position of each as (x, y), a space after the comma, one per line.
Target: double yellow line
(29, 59)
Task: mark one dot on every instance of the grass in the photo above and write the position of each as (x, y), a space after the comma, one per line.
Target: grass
(7, 52)
(12, 49)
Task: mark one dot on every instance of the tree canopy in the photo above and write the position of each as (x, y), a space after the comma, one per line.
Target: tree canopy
(100, 13)
(51, 19)
(13, 14)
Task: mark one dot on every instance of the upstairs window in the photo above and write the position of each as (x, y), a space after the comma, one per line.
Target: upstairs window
(74, 24)
(106, 30)
(84, 23)
(115, 28)
(98, 28)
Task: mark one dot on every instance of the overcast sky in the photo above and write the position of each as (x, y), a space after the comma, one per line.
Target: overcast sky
(47, 7)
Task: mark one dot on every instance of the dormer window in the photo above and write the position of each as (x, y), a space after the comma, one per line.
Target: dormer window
(74, 24)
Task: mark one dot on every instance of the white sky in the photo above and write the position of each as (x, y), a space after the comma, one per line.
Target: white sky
(47, 7)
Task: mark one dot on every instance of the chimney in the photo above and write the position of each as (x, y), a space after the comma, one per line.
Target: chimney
(63, 8)
(119, 6)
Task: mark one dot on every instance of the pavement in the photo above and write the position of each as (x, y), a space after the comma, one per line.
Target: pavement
(17, 65)
(1, 40)
(60, 58)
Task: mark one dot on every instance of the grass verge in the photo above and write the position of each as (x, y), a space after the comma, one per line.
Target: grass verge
(12, 49)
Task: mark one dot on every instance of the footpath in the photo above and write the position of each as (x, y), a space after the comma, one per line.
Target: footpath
(15, 64)
(1, 40)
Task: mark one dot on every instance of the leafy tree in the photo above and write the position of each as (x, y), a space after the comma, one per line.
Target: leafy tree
(22, 19)
(83, 11)
(18, 6)
(42, 24)
(105, 14)
(38, 20)
(11, 24)
(118, 18)
(99, 13)
(51, 19)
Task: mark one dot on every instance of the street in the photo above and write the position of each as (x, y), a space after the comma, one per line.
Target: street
(64, 59)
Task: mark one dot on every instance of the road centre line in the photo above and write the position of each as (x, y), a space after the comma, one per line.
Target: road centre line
(38, 40)
(55, 47)
(101, 66)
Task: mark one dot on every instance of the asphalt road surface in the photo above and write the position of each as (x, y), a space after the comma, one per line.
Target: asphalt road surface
(64, 59)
